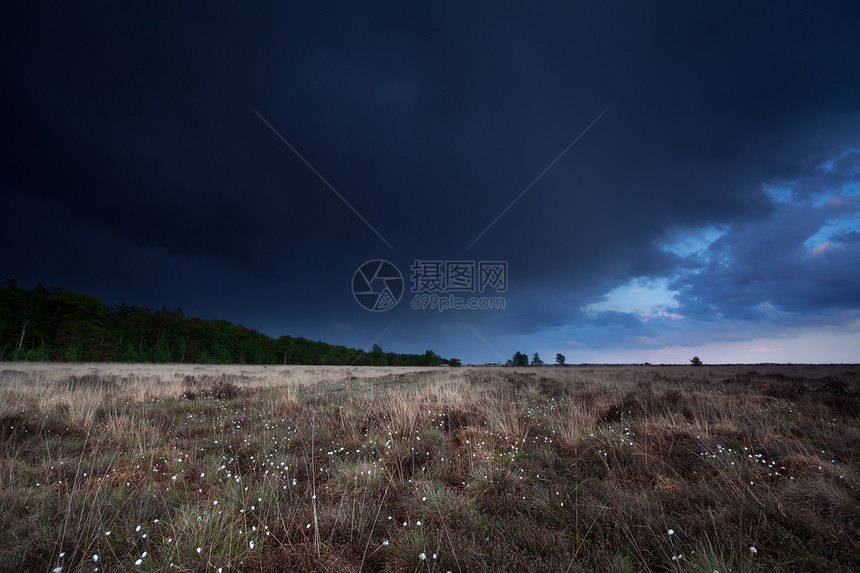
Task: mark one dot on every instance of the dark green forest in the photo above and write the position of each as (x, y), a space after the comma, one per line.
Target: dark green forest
(54, 324)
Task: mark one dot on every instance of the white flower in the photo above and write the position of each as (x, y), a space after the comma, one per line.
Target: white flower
(422, 556)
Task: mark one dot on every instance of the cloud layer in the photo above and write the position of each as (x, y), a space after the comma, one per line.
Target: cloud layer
(724, 176)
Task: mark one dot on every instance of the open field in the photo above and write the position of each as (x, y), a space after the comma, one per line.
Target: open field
(256, 468)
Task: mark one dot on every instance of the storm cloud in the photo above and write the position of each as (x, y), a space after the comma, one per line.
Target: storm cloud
(232, 160)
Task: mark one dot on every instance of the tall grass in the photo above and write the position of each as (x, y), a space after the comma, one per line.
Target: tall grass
(193, 468)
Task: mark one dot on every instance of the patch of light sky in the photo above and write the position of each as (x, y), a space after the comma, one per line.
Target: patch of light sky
(814, 346)
(821, 240)
(644, 296)
(783, 192)
(690, 241)
(651, 296)
(831, 228)
(778, 193)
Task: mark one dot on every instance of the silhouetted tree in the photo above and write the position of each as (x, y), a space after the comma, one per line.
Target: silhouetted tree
(377, 356)
(519, 359)
(430, 358)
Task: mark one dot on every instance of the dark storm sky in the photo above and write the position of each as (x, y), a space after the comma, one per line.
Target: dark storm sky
(713, 208)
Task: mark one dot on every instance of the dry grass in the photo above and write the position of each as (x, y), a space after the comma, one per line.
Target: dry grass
(195, 468)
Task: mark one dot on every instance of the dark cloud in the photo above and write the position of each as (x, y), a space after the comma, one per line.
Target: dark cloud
(846, 237)
(133, 164)
(762, 268)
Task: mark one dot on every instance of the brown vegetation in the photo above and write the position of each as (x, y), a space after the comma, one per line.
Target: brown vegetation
(256, 468)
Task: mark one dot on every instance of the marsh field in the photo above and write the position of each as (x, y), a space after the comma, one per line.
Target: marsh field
(276, 468)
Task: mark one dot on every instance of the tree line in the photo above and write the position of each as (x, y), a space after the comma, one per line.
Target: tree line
(54, 324)
(522, 359)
